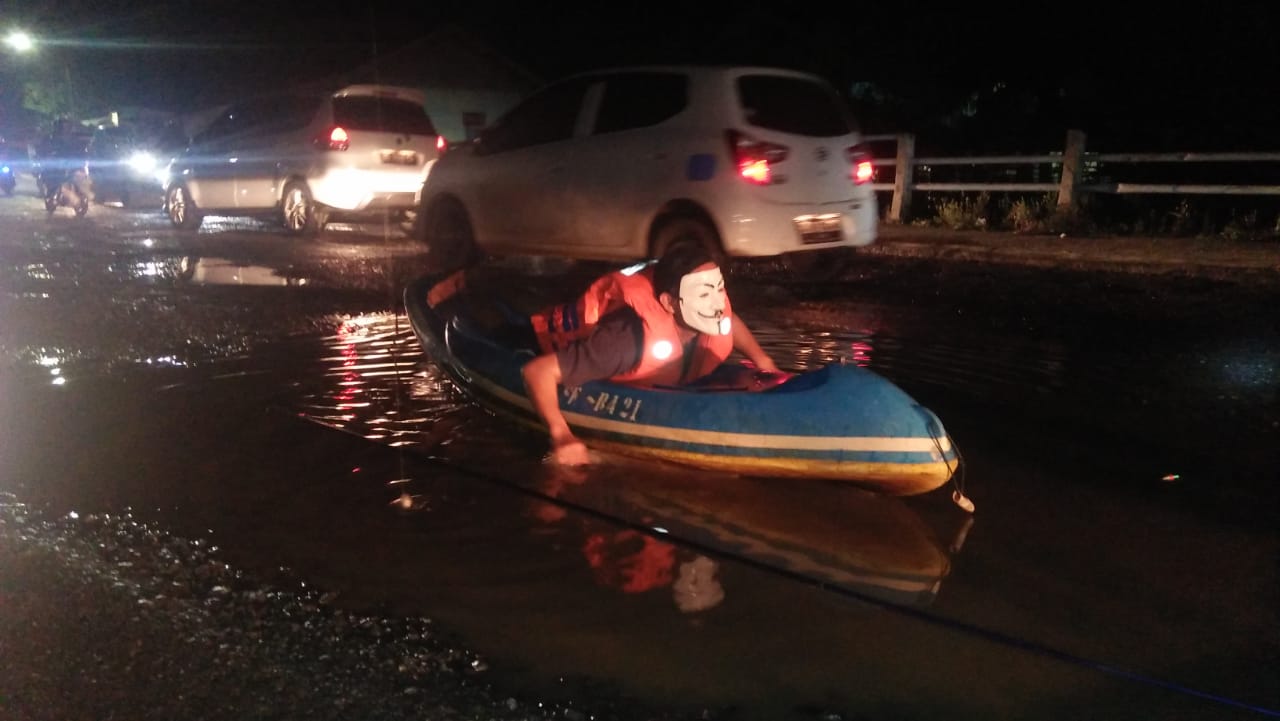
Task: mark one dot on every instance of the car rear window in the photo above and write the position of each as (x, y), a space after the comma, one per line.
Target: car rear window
(367, 112)
(793, 105)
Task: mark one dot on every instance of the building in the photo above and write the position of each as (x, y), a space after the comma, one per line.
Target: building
(467, 83)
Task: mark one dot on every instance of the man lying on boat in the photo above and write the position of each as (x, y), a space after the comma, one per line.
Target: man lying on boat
(666, 324)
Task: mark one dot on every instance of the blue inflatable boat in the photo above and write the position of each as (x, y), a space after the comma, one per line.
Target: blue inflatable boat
(840, 422)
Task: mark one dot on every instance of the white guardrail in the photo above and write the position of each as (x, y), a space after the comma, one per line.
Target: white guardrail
(1068, 165)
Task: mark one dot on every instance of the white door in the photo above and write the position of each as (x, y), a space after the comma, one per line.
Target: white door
(523, 165)
(208, 167)
(631, 160)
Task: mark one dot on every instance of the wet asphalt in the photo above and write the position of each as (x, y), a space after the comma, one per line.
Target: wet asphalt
(169, 546)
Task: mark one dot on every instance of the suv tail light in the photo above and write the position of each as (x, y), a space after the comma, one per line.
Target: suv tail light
(862, 170)
(755, 158)
(336, 140)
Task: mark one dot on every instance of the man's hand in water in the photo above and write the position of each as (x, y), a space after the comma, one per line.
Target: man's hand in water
(569, 452)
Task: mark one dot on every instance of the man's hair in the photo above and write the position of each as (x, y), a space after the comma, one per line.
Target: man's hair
(678, 261)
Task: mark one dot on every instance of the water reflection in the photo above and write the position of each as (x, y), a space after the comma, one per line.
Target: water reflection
(54, 365)
(202, 270)
(870, 545)
(374, 384)
(153, 268)
(642, 527)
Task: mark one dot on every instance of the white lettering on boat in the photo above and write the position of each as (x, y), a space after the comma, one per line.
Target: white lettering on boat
(607, 404)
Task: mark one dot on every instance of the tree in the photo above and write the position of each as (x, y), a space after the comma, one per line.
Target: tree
(54, 91)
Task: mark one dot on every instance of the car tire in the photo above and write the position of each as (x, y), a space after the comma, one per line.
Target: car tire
(181, 209)
(299, 211)
(451, 244)
(677, 231)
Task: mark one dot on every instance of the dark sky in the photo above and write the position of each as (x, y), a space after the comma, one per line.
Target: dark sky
(1203, 75)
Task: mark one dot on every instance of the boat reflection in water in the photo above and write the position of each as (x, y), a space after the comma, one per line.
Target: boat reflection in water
(872, 546)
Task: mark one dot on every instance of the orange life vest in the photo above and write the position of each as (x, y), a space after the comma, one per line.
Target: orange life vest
(662, 362)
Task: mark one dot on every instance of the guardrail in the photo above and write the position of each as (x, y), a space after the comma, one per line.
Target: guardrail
(1069, 165)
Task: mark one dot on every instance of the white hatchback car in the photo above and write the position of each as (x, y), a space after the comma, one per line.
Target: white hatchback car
(619, 164)
(304, 157)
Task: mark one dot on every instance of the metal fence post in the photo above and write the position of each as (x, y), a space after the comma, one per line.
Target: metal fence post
(900, 208)
(1072, 159)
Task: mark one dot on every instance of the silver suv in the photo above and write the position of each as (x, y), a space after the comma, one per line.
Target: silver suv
(303, 158)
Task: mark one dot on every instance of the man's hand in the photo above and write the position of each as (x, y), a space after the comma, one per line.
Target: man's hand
(569, 452)
(763, 380)
(744, 341)
(765, 364)
(541, 378)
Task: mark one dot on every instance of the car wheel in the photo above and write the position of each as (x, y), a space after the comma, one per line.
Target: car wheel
(678, 231)
(181, 209)
(449, 238)
(51, 202)
(82, 207)
(300, 214)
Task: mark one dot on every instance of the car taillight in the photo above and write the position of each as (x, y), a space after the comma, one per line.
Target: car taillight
(755, 159)
(336, 140)
(441, 144)
(861, 171)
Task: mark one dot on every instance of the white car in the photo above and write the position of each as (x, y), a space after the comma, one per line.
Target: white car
(619, 164)
(303, 157)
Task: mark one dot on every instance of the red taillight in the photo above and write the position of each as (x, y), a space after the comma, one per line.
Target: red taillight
(862, 170)
(755, 158)
(441, 144)
(337, 140)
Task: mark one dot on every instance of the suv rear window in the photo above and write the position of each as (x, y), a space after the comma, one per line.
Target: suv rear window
(367, 112)
(793, 105)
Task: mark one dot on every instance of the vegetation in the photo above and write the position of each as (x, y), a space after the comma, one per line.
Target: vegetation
(1105, 215)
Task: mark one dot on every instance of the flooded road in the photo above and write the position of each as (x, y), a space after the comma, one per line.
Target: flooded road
(242, 411)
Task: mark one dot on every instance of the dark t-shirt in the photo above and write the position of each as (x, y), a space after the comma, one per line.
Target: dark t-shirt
(612, 348)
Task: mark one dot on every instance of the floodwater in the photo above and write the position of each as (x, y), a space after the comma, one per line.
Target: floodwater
(263, 396)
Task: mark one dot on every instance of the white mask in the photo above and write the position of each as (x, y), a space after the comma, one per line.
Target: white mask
(702, 302)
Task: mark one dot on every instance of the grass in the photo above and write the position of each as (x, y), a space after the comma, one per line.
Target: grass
(1104, 215)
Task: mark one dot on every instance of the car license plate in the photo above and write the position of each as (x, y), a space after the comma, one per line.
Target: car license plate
(400, 157)
(819, 228)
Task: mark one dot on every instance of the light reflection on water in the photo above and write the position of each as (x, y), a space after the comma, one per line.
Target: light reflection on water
(375, 384)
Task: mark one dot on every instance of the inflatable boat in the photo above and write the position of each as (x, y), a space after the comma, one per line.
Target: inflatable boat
(840, 422)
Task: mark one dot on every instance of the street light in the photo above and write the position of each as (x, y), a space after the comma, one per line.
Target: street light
(20, 41)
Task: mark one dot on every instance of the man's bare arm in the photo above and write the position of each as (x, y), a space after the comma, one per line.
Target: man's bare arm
(744, 341)
(541, 379)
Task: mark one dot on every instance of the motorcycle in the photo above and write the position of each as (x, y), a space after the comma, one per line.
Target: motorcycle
(8, 178)
(71, 190)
